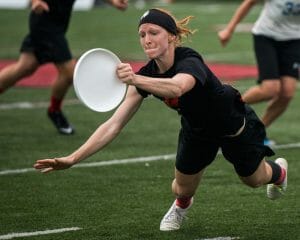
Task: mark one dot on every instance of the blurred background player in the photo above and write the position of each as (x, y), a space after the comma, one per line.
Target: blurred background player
(276, 36)
(46, 42)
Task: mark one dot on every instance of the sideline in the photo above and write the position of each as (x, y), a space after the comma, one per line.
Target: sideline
(37, 233)
(128, 160)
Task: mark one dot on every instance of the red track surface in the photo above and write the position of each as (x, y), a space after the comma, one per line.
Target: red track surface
(44, 76)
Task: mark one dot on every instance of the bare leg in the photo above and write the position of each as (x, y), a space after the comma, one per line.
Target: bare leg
(186, 185)
(25, 66)
(59, 90)
(260, 177)
(64, 79)
(272, 174)
(279, 104)
(267, 90)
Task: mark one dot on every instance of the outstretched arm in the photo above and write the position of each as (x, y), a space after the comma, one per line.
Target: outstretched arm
(225, 34)
(105, 134)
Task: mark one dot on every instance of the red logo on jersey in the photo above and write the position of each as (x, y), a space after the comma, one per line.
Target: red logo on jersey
(172, 102)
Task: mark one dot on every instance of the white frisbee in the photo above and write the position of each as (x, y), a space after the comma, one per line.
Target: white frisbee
(95, 81)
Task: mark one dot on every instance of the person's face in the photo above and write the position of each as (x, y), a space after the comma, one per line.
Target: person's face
(155, 40)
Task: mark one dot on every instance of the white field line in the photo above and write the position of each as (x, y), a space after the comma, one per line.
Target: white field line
(128, 160)
(98, 164)
(31, 105)
(67, 102)
(37, 233)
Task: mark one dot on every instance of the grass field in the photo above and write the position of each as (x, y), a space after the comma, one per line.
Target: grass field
(127, 201)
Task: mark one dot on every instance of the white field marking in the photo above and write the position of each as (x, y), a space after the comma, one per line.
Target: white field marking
(30, 105)
(126, 161)
(129, 160)
(33, 105)
(37, 233)
(98, 164)
(69, 102)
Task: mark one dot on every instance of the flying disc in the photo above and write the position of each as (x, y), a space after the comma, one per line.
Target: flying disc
(95, 81)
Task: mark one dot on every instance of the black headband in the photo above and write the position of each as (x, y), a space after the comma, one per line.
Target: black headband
(159, 18)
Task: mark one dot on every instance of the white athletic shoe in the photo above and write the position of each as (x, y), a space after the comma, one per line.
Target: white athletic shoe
(276, 191)
(174, 217)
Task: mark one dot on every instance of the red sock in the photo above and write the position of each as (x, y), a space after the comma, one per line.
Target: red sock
(1, 90)
(282, 177)
(55, 105)
(183, 202)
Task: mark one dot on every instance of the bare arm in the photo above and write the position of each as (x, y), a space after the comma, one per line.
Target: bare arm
(119, 4)
(39, 6)
(105, 134)
(240, 13)
(163, 87)
(112, 127)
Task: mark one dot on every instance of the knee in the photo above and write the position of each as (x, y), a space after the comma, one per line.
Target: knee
(68, 78)
(66, 71)
(286, 97)
(66, 75)
(254, 183)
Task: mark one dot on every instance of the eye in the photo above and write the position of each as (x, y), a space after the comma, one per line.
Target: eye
(153, 32)
(142, 34)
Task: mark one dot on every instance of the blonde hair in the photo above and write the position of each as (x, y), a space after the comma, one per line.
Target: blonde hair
(182, 29)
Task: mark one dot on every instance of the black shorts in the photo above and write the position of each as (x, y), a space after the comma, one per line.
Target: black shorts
(276, 58)
(245, 151)
(47, 48)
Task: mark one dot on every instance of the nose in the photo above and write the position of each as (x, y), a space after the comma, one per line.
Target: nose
(147, 39)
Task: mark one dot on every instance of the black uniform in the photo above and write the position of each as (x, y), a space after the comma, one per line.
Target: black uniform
(276, 58)
(46, 38)
(210, 113)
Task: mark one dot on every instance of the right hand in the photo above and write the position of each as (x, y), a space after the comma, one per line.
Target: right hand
(39, 6)
(224, 36)
(125, 73)
(48, 165)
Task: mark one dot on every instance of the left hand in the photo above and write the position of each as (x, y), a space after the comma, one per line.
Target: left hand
(48, 165)
(125, 73)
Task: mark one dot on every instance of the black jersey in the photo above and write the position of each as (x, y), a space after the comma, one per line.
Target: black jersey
(56, 21)
(210, 108)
